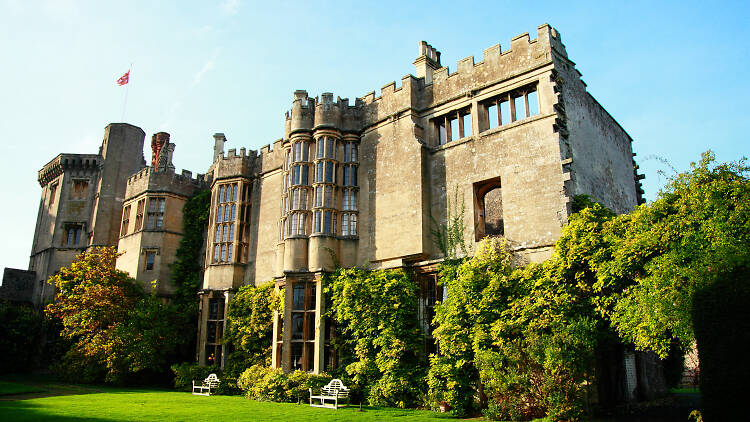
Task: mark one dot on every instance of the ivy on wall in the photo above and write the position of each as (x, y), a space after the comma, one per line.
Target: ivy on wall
(188, 265)
(381, 341)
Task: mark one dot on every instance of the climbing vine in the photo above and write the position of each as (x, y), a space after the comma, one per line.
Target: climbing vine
(187, 268)
(376, 313)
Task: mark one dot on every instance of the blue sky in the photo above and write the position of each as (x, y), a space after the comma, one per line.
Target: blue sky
(673, 74)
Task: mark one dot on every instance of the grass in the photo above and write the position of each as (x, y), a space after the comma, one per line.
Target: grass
(82, 403)
(9, 388)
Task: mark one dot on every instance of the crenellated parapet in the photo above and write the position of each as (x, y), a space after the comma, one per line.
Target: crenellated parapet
(149, 179)
(82, 163)
(308, 114)
(524, 55)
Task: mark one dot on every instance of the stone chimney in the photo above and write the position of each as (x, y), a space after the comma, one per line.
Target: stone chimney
(219, 140)
(427, 62)
(157, 144)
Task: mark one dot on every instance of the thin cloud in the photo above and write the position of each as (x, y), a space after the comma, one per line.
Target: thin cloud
(231, 7)
(197, 78)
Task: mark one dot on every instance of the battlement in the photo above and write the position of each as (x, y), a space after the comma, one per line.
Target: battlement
(186, 176)
(434, 84)
(524, 54)
(64, 162)
(308, 113)
(244, 154)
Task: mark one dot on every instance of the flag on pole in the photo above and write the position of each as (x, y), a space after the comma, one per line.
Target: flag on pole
(124, 79)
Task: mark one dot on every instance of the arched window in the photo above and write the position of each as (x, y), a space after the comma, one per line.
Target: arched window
(488, 209)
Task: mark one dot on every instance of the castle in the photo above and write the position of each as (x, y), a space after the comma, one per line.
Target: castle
(513, 137)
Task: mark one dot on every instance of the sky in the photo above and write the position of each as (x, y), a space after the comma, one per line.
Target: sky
(672, 74)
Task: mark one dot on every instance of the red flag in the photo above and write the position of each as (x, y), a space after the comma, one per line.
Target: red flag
(124, 79)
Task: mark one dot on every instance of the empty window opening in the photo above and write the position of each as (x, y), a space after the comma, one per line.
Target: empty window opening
(519, 108)
(466, 124)
(488, 209)
(533, 102)
(504, 112)
(452, 126)
(509, 107)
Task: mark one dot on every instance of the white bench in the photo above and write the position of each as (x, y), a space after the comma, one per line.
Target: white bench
(209, 385)
(330, 395)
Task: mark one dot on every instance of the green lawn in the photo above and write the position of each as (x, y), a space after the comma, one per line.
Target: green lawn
(8, 388)
(111, 404)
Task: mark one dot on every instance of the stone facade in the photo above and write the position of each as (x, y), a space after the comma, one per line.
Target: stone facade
(151, 225)
(81, 203)
(512, 138)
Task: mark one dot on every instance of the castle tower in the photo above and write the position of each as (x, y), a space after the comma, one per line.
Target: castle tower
(151, 226)
(122, 155)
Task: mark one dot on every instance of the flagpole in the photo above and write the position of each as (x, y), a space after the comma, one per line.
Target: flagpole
(127, 89)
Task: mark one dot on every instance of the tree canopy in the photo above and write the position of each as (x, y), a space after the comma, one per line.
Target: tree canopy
(116, 328)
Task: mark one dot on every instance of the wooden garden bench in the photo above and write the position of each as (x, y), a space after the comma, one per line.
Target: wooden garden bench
(330, 395)
(209, 385)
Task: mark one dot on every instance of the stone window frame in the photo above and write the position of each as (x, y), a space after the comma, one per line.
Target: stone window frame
(349, 224)
(231, 205)
(214, 349)
(325, 202)
(155, 213)
(224, 219)
(493, 105)
(52, 193)
(481, 189)
(72, 234)
(149, 260)
(125, 220)
(79, 188)
(442, 125)
(306, 312)
(140, 208)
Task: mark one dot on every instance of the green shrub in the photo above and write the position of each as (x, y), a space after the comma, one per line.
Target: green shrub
(263, 383)
(185, 373)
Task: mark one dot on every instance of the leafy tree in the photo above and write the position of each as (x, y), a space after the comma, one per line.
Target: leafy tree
(116, 328)
(698, 229)
(523, 338)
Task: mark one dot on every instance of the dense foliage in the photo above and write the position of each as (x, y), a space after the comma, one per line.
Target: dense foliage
(698, 229)
(260, 382)
(19, 335)
(249, 327)
(116, 328)
(187, 268)
(185, 373)
(524, 339)
(721, 317)
(381, 349)
(520, 338)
